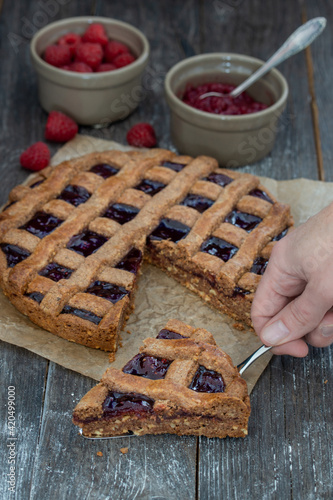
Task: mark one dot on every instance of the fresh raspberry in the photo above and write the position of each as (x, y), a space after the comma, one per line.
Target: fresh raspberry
(89, 53)
(123, 60)
(141, 135)
(71, 40)
(59, 127)
(57, 55)
(114, 49)
(106, 67)
(95, 33)
(36, 157)
(80, 67)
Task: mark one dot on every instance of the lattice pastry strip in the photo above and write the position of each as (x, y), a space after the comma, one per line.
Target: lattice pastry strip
(180, 383)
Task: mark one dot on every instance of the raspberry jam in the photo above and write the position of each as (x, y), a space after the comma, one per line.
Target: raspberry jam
(259, 265)
(177, 167)
(75, 195)
(258, 193)
(197, 202)
(36, 296)
(221, 105)
(131, 262)
(42, 224)
(220, 179)
(117, 403)
(207, 381)
(86, 243)
(240, 292)
(169, 229)
(147, 366)
(55, 272)
(107, 291)
(14, 254)
(150, 187)
(218, 247)
(168, 334)
(104, 170)
(82, 313)
(243, 220)
(121, 213)
(281, 235)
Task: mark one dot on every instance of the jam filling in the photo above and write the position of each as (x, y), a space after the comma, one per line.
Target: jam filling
(220, 179)
(281, 235)
(86, 243)
(240, 292)
(168, 334)
(147, 366)
(243, 220)
(150, 187)
(177, 167)
(218, 247)
(207, 381)
(117, 403)
(82, 313)
(104, 170)
(36, 296)
(42, 224)
(199, 203)
(131, 262)
(14, 254)
(75, 195)
(107, 291)
(169, 229)
(35, 184)
(259, 265)
(56, 272)
(121, 213)
(258, 193)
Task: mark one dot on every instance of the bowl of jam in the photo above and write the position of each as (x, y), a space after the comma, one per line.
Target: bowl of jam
(206, 120)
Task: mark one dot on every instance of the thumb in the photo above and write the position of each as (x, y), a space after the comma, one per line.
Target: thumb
(299, 317)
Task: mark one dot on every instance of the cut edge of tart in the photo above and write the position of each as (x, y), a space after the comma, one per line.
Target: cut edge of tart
(180, 383)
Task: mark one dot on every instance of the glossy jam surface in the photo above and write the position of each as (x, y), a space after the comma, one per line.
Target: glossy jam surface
(86, 243)
(150, 187)
(107, 291)
(131, 262)
(240, 292)
(42, 224)
(14, 254)
(218, 247)
(121, 213)
(259, 265)
(197, 202)
(35, 184)
(221, 105)
(220, 179)
(243, 220)
(177, 167)
(147, 366)
(36, 296)
(169, 229)
(168, 334)
(82, 313)
(104, 170)
(75, 195)
(117, 403)
(281, 235)
(207, 381)
(258, 193)
(56, 272)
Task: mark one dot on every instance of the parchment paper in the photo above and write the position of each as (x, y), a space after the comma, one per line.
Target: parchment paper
(158, 297)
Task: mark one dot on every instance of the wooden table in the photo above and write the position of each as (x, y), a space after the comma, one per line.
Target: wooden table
(288, 453)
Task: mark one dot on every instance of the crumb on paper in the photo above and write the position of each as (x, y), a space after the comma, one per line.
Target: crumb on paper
(124, 450)
(239, 326)
(99, 454)
(112, 357)
(129, 332)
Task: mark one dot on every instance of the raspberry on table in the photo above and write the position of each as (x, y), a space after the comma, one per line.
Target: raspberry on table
(59, 127)
(123, 60)
(57, 55)
(79, 67)
(106, 67)
(141, 135)
(114, 49)
(95, 33)
(36, 157)
(89, 53)
(71, 40)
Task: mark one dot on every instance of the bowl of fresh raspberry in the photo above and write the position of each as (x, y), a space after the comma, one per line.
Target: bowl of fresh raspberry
(90, 68)
(205, 119)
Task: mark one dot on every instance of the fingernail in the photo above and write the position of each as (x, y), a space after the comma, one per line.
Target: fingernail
(275, 332)
(326, 330)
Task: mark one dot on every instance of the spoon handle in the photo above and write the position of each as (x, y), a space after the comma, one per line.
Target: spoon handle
(255, 355)
(299, 40)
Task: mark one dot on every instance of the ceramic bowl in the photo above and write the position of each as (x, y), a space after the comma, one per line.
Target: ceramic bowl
(90, 98)
(234, 140)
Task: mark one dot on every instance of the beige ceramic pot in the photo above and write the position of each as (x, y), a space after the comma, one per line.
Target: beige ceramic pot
(91, 98)
(233, 140)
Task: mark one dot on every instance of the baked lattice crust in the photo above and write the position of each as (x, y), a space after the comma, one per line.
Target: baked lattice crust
(69, 260)
(180, 383)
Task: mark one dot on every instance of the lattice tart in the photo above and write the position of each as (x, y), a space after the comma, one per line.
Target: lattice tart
(72, 241)
(180, 383)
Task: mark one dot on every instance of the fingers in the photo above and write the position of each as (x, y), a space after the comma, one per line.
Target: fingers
(322, 336)
(296, 348)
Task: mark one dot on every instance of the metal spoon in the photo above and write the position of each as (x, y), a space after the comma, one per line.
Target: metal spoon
(299, 40)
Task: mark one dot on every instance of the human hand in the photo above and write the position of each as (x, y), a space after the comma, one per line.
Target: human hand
(292, 306)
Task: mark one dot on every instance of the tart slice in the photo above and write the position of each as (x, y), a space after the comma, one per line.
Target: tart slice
(180, 383)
